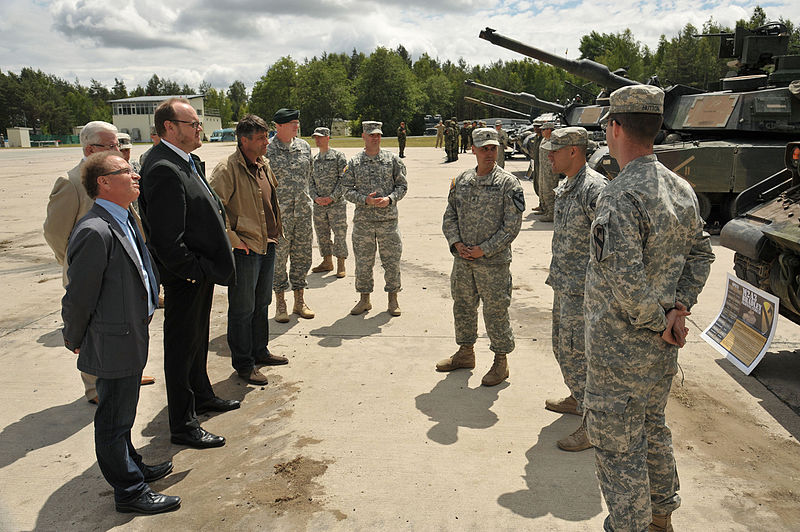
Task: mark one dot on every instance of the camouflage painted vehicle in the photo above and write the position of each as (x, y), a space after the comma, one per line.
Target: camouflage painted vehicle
(722, 142)
(766, 235)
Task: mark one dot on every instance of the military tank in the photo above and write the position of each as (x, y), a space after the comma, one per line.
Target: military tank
(721, 142)
(765, 237)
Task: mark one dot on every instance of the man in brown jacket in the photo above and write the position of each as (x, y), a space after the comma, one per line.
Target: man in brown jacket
(68, 203)
(246, 185)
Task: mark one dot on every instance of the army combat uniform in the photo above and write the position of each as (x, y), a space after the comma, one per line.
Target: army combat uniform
(326, 175)
(291, 164)
(648, 252)
(401, 141)
(502, 138)
(575, 202)
(548, 180)
(376, 227)
(483, 211)
(451, 142)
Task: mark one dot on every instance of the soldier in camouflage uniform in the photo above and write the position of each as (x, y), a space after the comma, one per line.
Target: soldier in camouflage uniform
(575, 203)
(451, 141)
(330, 210)
(502, 137)
(534, 174)
(548, 179)
(290, 159)
(648, 262)
(375, 180)
(464, 132)
(483, 216)
(401, 139)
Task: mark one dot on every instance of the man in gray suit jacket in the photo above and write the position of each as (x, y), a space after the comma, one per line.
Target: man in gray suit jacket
(109, 302)
(69, 202)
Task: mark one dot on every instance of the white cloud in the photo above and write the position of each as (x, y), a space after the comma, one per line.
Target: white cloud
(223, 40)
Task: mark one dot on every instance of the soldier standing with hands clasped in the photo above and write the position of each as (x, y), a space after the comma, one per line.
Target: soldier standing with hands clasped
(375, 180)
(648, 262)
(483, 216)
(575, 202)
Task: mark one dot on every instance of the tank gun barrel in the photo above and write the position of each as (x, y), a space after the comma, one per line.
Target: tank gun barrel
(583, 68)
(498, 107)
(520, 97)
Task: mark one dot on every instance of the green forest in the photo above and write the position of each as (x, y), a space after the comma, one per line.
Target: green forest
(386, 85)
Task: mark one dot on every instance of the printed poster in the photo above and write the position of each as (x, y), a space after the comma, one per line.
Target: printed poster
(745, 325)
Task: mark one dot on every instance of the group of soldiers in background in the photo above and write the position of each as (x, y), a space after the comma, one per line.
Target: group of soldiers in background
(451, 134)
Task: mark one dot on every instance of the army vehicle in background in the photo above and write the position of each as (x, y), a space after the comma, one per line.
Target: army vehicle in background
(721, 142)
(765, 238)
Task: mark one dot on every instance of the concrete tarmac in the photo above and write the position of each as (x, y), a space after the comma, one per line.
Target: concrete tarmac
(359, 432)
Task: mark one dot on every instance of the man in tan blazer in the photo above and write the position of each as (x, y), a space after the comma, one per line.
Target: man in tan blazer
(68, 203)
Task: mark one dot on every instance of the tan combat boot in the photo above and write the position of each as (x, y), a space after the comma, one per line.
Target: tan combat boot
(340, 271)
(498, 373)
(567, 405)
(463, 358)
(300, 307)
(325, 266)
(281, 316)
(577, 441)
(394, 306)
(362, 306)
(661, 523)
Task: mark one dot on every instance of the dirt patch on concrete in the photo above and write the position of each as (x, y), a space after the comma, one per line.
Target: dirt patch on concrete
(717, 432)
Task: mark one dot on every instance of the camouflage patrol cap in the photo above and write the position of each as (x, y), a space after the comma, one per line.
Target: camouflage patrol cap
(498, 122)
(124, 141)
(484, 136)
(566, 136)
(370, 127)
(548, 125)
(321, 132)
(637, 99)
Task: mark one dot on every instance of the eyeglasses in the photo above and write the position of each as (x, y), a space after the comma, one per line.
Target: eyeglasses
(107, 146)
(121, 171)
(193, 125)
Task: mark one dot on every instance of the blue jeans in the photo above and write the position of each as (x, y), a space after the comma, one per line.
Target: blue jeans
(248, 304)
(118, 460)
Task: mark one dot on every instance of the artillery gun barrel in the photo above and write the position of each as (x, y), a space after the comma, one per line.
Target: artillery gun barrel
(520, 97)
(583, 68)
(498, 107)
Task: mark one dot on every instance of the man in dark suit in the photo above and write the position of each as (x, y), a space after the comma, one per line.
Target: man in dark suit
(109, 302)
(185, 225)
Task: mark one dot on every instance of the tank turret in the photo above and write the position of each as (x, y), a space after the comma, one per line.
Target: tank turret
(722, 142)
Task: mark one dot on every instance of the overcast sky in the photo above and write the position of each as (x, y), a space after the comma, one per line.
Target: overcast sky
(223, 40)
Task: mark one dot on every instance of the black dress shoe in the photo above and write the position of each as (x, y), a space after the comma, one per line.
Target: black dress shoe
(156, 472)
(272, 360)
(198, 438)
(150, 502)
(217, 405)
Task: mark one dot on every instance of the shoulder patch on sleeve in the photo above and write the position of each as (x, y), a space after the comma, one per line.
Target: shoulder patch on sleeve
(453, 183)
(518, 197)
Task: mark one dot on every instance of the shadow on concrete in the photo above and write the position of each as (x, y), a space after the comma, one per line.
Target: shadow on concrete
(532, 222)
(43, 429)
(367, 324)
(52, 339)
(86, 502)
(219, 346)
(321, 280)
(452, 404)
(775, 384)
(560, 484)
